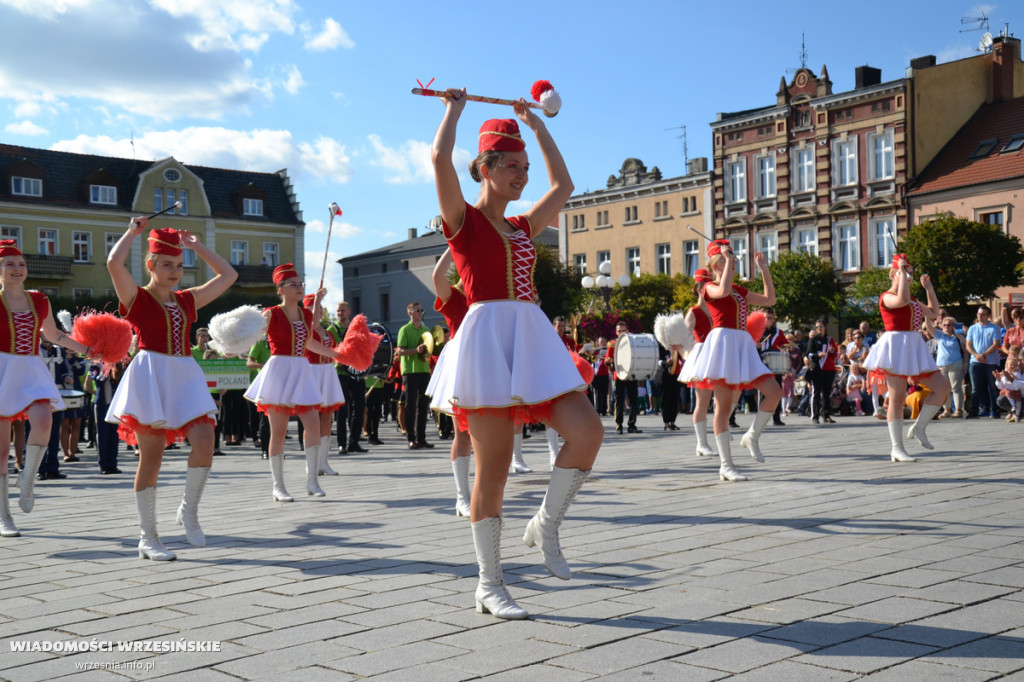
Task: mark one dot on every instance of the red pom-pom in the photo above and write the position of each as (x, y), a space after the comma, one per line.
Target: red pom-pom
(539, 88)
(359, 345)
(109, 336)
(586, 369)
(756, 323)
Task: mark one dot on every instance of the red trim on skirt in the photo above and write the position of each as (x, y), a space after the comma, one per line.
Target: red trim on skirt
(129, 426)
(24, 413)
(295, 410)
(328, 409)
(877, 376)
(517, 414)
(710, 384)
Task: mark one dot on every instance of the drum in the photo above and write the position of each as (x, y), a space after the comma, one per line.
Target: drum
(636, 357)
(777, 361)
(72, 399)
(383, 356)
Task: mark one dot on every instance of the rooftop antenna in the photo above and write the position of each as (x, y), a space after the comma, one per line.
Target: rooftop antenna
(982, 22)
(803, 54)
(686, 154)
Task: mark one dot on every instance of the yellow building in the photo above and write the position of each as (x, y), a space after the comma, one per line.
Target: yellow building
(66, 211)
(640, 223)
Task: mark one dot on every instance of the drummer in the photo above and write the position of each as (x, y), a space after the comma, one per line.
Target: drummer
(625, 389)
(774, 341)
(412, 351)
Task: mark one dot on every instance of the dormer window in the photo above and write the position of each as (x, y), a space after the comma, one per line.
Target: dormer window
(1015, 144)
(252, 207)
(103, 194)
(984, 148)
(26, 187)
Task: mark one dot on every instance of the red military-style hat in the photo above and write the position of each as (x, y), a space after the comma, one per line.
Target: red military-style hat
(715, 247)
(165, 241)
(500, 135)
(896, 260)
(9, 247)
(284, 271)
(308, 300)
(702, 276)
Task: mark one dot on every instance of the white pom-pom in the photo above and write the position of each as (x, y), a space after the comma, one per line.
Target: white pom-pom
(65, 320)
(551, 101)
(236, 331)
(672, 331)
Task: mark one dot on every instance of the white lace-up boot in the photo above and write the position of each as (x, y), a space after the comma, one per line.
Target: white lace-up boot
(726, 472)
(491, 594)
(188, 510)
(543, 527)
(150, 546)
(460, 468)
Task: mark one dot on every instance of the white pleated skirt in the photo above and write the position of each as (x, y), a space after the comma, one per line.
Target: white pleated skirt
(686, 376)
(901, 353)
(24, 379)
(161, 392)
(330, 386)
(728, 357)
(506, 354)
(286, 382)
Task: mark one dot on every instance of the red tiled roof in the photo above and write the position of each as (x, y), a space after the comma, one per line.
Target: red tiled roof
(954, 167)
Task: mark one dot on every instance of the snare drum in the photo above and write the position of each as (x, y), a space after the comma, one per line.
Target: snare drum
(777, 361)
(72, 399)
(636, 357)
(382, 357)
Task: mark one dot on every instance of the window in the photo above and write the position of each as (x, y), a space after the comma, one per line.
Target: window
(158, 199)
(807, 240)
(188, 258)
(357, 304)
(630, 213)
(984, 148)
(183, 198)
(686, 204)
(803, 119)
(803, 170)
(846, 255)
(172, 175)
(661, 209)
(691, 257)
(765, 176)
(103, 194)
(239, 252)
(271, 254)
(11, 232)
(47, 241)
(603, 256)
(884, 105)
(883, 233)
(844, 162)
(768, 244)
(843, 115)
(1015, 144)
(385, 305)
(579, 261)
(633, 260)
(735, 181)
(110, 239)
(355, 273)
(405, 263)
(664, 259)
(579, 222)
(170, 194)
(384, 268)
(81, 246)
(165, 197)
(602, 218)
(991, 218)
(881, 167)
(27, 187)
(252, 207)
(739, 247)
(79, 294)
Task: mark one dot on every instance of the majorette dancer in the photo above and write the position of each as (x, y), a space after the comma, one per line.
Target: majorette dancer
(901, 355)
(729, 361)
(506, 340)
(327, 379)
(163, 396)
(27, 389)
(287, 386)
(698, 318)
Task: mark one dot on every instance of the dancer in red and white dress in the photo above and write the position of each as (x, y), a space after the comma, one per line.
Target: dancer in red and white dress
(327, 380)
(507, 364)
(729, 361)
(902, 355)
(163, 397)
(27, 390)
(698, 318)
(287, 385)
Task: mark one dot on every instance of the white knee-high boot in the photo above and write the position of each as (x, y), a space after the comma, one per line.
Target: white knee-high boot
(491, 594)
(460, 468)
(552, 438)
(726, 472)
(543, 527)
(898, 454)
(518, 463)
(749, 440)
(188, 510)
(277, 473)
(924, 417)
(325, 449)
(312, 469)
(701, 429)
(7, 527)
(27, 479)
(150, 546)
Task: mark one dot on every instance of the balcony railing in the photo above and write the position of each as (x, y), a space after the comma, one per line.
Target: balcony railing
(254, 274)
(48, 267)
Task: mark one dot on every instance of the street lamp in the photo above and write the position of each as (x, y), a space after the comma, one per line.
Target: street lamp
(604, 281)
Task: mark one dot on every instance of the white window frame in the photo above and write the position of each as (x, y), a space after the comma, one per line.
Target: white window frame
(158, 199)
(11, 232)
(664, 258)
(736, 181)
(103, 194)
(603, 256)
(765, 170)
(881, 156)
(881, 243)
(803, 170)
(806, 245)
(239, 252)
(26, 187)
(579, 261)
(79, 293)
(183, 198)
(79, 239)
(691, 256)
(48, 235)
(632, 260)
(739, 248)
(980, 213)
(272, 252)
(109, 240)
(844, 162)
(846, 252)
(253, 207)
(768, 244)
(188, 258)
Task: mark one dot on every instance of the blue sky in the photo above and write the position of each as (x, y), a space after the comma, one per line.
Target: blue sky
(322, 88)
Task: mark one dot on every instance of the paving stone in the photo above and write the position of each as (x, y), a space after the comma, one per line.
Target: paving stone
(741, 655)
(865, 655)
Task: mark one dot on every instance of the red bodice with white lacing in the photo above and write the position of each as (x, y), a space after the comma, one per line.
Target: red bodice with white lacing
(19, 331)
(731, 311)
(494, 266)
(907, 318)
(162, 328)
(288, 338)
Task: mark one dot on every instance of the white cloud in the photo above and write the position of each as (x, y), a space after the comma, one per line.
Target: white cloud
(292, 81)
(25, 128)
(331, 37)
(230, 24)
(314, 263)
(45, 9)
(409, 163)
(326, 159)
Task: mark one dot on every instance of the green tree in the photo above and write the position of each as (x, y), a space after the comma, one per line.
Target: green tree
(558, 284)
(966, 259)
(647, 296)
(806, 288)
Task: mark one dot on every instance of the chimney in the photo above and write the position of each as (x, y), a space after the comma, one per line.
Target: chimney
(867, 76)
(412, 232)
(923, 62)
(1005, 52)
(697, 165)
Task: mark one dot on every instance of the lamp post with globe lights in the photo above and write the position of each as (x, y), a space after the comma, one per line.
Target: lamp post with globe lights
(604, 282)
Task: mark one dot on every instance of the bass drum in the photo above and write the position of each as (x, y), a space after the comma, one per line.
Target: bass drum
(72, 399)
(636, 357)
(777, 361)
(383, 356)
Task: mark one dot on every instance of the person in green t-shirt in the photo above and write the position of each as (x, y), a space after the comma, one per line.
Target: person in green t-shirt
(258, 356)
(415, 363)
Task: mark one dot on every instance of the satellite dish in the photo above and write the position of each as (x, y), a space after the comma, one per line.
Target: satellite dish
(985, 44)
